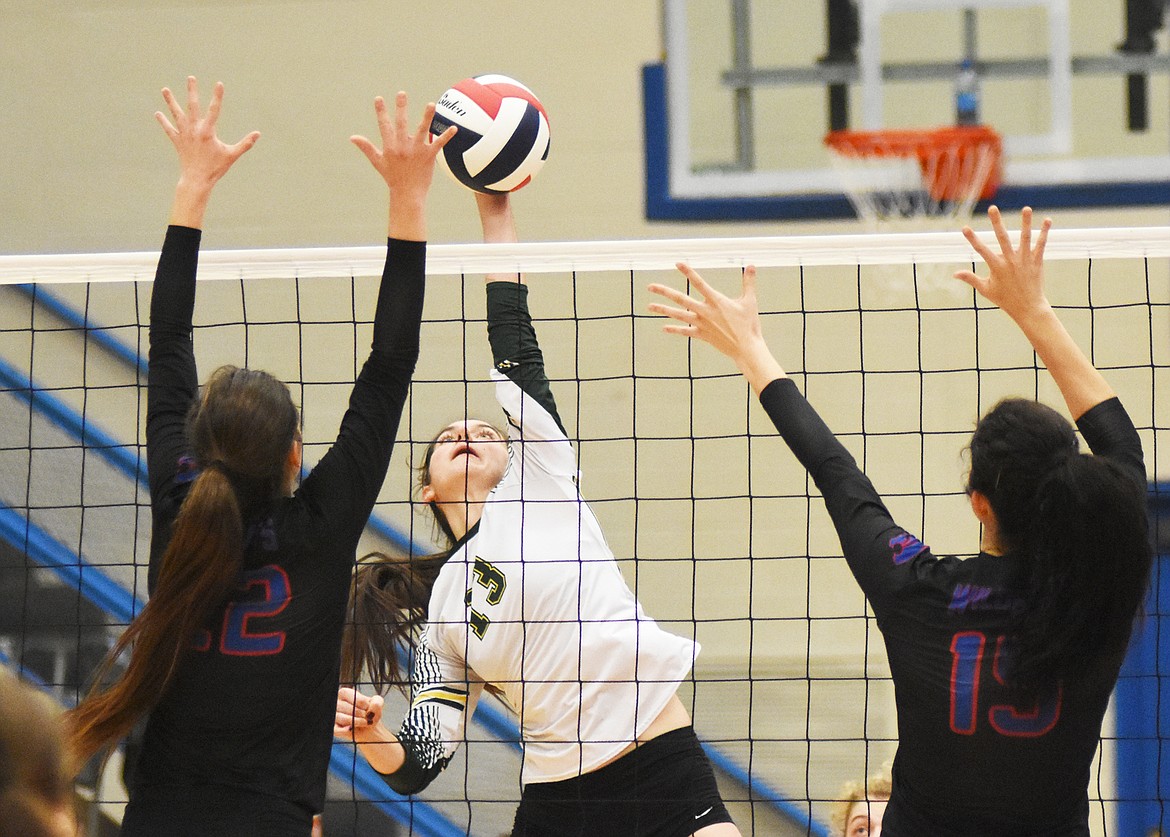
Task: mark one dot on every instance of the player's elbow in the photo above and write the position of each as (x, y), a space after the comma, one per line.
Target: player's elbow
(412, 777)
(405, 785)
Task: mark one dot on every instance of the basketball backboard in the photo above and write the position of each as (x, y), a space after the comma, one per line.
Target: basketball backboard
(736, 115)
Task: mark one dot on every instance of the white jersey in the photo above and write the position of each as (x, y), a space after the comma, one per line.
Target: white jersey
(533, 603)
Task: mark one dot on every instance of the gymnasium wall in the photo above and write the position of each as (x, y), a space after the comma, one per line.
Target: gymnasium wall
(87, 169)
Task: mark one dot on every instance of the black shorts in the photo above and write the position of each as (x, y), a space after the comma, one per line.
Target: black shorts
(664, 788)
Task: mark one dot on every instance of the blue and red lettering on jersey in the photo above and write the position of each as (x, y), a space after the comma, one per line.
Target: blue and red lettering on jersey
(966, 663)
(904, 546)
(202, 640)
(972, 596)
(1023, 723)
(186, 470)
(240, 636)
(967, 658)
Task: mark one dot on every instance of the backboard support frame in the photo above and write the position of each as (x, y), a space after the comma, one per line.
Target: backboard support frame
(677, 189)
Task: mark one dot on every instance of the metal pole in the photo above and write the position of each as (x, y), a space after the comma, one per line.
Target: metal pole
(969, 36)
(745, 153)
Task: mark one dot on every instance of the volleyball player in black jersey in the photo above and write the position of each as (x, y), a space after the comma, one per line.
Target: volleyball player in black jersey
(236, 655)
(1002, 663)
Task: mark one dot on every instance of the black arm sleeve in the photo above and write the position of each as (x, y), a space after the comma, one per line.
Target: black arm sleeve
(345, 483)
(398, 315)
(412, 777)
(172, 381)
(515, 350)
(1110, 433)
(881, 555)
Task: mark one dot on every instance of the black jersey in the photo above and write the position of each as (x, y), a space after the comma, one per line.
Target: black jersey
(969, 761)
(240, 742)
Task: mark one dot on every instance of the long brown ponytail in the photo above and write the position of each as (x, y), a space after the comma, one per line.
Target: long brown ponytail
(241, 432)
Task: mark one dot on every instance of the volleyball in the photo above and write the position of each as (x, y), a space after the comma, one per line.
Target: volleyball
(503, 135)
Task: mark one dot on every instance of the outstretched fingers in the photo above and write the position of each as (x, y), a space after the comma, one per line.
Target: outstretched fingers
(697, 281)
(424, 125)
(985, 252)
(1001, 233)
(401, 129)
(674, 295)
(970, 278)
(214, 106)
(173, 105)
(422, 135)
(167, 127)
(1025, 231)
(995, 261)
(749, 283)
(192, 98)
(730, 325)
(395, 129)
(367, 148)
(680, 315)
(424, 128)
(1014, 281)
(678, 297)
(385, 121)
(385, 131)
(1042, 239)
(238, 149)
(397, 138)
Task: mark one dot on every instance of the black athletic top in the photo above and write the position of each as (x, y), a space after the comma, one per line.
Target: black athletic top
(240, 743)
(968, 761)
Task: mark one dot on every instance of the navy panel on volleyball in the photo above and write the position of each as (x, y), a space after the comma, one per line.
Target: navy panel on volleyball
(503, 135)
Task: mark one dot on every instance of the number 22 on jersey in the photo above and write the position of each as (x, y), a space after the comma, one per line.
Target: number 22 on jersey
(967, 669)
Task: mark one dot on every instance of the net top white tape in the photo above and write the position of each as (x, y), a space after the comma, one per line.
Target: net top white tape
(564, 257)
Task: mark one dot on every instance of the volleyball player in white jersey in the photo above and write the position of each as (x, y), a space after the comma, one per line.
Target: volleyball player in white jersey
(529, 603)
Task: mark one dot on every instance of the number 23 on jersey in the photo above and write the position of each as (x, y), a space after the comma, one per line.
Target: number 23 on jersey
(489, 577)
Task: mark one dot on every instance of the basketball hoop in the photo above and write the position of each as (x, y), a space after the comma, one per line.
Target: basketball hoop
(938, 173)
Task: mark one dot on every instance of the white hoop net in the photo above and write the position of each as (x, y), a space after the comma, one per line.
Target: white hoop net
(916, 179)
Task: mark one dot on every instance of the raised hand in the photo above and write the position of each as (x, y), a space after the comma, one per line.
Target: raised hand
(406, 162)
(730, 325)
(203, 157)
(1015, 283)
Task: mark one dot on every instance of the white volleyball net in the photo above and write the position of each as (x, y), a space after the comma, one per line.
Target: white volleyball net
(715, 525)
